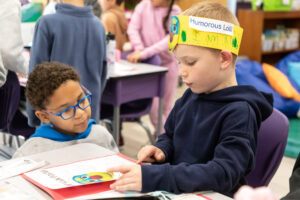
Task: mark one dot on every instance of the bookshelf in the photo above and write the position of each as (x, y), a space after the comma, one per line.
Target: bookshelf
(254, 23)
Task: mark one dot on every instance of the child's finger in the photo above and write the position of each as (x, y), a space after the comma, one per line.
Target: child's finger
(148, 159)
(244, 193)
(123, 188)
(125, 183)
(129, 57)
(263, 193)
(135, 60)
(159, 156)
(144, 153)
(139, 162)
(141, 158)
(122, 168)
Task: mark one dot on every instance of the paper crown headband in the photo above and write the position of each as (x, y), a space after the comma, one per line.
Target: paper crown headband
(204, 32)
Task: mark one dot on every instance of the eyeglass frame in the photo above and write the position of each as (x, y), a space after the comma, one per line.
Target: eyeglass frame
(89, 95)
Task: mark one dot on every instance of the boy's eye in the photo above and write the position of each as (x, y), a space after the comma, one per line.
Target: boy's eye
(80, 97)
(70, 110)
(190, 63)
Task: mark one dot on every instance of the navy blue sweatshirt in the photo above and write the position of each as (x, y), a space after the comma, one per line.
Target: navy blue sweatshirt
(210, 141)
(73, 36)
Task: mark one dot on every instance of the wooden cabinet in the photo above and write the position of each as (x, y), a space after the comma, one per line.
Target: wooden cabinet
(254, 23)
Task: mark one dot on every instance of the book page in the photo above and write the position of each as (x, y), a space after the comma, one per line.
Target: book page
(9, 191)
(159, 194)
(15, 167)
(108, 194)
(78, 173)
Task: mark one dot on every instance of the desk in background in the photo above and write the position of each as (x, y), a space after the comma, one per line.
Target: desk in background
(67, 155)
(128, 82)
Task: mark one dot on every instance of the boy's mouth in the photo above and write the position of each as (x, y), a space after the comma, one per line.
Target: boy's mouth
(188, 84)
(81, 123)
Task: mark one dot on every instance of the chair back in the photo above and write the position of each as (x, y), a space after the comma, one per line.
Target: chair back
(271, 142)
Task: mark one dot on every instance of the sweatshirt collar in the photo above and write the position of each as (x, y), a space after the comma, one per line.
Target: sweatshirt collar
(74, 10)
(46, 131)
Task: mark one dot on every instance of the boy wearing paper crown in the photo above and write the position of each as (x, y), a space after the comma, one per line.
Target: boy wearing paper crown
(210, 138)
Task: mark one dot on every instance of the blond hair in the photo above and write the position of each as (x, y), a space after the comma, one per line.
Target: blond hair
(213, 10)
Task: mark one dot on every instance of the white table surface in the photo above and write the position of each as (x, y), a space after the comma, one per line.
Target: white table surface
(123, 68)
(71, 154)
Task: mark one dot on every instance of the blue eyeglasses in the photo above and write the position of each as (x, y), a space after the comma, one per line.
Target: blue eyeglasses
(70, 112)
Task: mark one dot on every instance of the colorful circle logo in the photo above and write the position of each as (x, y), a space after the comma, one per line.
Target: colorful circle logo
(93, 177)
(174, 30)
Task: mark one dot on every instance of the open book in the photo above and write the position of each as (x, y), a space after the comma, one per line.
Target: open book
(78, 178)
(88, 179)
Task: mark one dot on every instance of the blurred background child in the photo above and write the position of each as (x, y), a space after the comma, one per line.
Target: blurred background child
(12, 62)
(148, 33)
(73, 36)
(11, 47)
(114, 20)
(50, 7)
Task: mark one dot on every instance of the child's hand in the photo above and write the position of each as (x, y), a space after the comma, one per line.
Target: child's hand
(248, 193)
(151, 154)
(130, 180)
(135, 56)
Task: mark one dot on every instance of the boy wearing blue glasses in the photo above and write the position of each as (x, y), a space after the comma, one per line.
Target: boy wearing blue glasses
(63, 105)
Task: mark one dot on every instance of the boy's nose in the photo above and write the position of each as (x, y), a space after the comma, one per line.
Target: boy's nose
(182, 72)
(78, 113)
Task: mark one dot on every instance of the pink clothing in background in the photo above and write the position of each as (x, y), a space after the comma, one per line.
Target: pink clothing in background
(146, 33)
(146, 30)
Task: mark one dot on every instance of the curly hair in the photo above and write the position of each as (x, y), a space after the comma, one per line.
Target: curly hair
(45, 79)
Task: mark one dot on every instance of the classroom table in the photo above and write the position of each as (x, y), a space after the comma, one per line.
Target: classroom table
(132, 81)
(70, 154)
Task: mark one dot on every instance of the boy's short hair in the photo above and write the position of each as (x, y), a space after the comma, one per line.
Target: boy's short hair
(45, 79)
(213, 10)
(119, 2)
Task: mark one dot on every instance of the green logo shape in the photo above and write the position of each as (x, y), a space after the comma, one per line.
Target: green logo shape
(183, 36)
(234, 43)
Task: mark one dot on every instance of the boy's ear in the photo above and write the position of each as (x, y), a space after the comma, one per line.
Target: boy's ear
(226, 59)
(42, 116)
